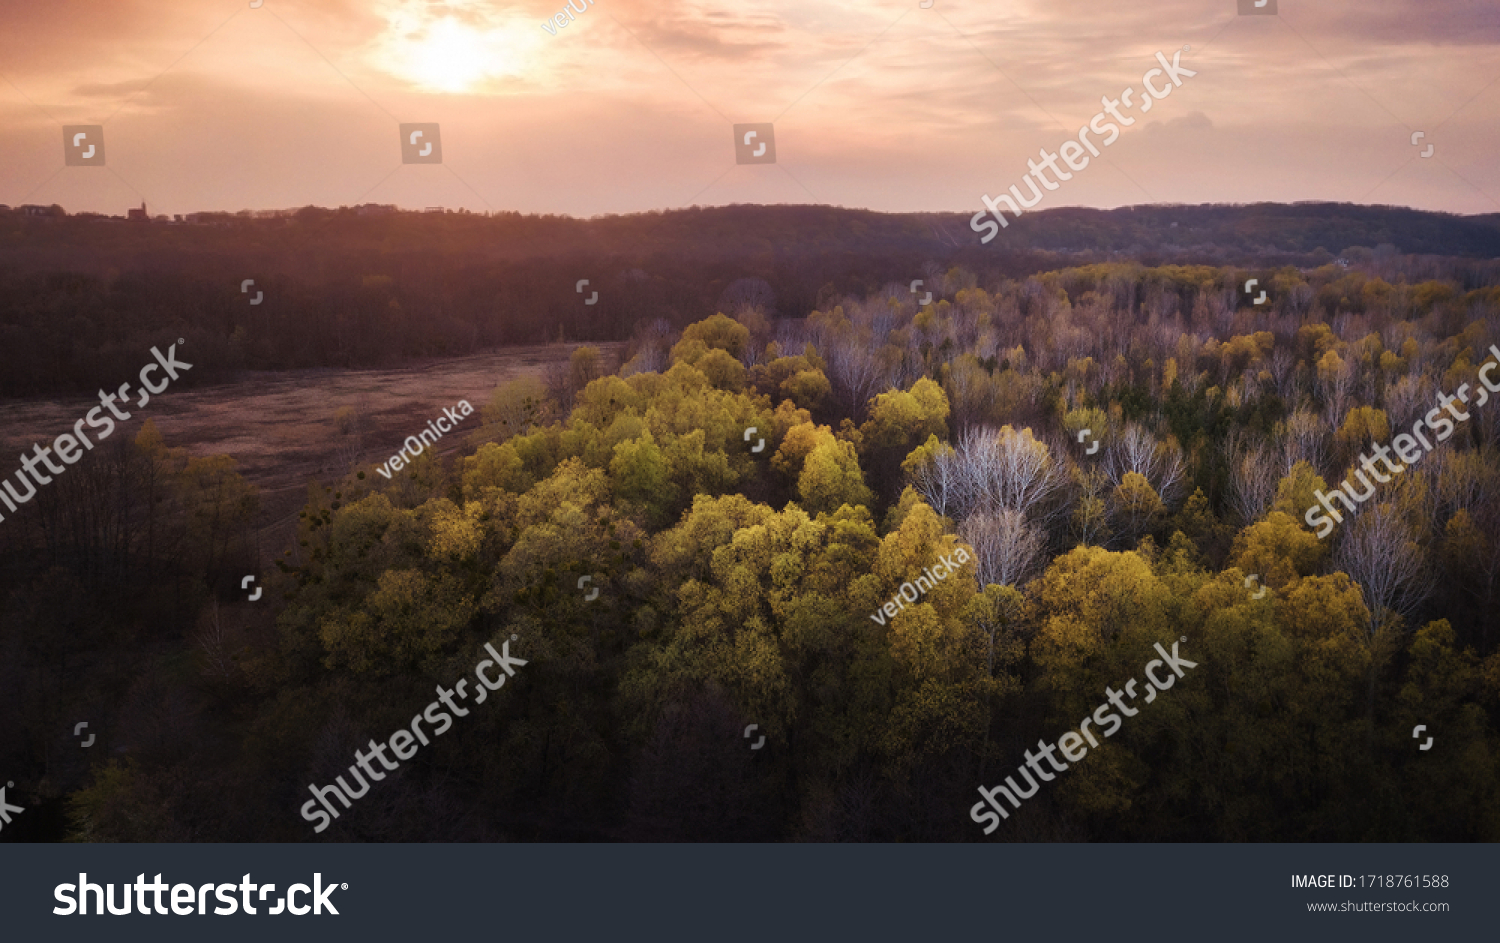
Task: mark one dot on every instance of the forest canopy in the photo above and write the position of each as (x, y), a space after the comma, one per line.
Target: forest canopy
(738, 585)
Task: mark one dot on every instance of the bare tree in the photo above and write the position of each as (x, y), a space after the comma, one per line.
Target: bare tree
(854, 369)
(1299, 300)
(1337, 385)
(1010, 470)
(214, 644)
(791, 337)
(1406, 399)
(748, 293)
(1304, 438)
(1136, 450)
(1283, 368)
(1253, 478)
(557, 376)
(1379, 554)
(650, 343)
(646, 360)
(940, 481)
(1007, 547)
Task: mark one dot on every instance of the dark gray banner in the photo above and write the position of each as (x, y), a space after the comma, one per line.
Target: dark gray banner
(750, 893)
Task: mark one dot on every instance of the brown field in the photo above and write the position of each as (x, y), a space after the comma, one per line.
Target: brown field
(281, 427)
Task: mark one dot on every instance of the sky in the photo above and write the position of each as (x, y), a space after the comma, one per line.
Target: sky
(879, 104)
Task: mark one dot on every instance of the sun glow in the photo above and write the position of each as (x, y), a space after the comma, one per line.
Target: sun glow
(453, 47)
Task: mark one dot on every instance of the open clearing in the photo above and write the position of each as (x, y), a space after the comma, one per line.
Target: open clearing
(280, 427)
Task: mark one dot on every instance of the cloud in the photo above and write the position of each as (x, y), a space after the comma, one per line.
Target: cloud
(209, 103)
(1411, 22)
(1192, 121)
(709, 35)
(113, 90)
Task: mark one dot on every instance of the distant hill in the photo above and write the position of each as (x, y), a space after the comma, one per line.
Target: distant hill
(1210, 232)
(1257, 229)
(87, 295)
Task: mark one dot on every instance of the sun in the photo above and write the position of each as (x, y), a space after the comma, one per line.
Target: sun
(454, 47)
(450, 57)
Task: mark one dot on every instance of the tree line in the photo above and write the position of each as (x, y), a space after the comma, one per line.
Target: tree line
(84, 295)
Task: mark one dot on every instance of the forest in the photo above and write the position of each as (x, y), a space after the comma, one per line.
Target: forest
(85, 295)
(736, 583)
